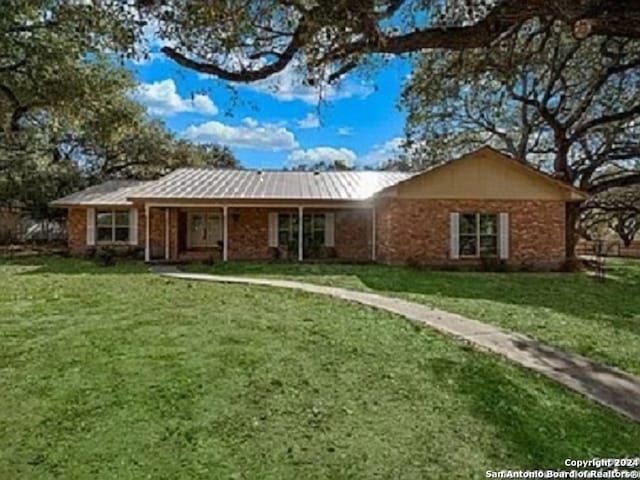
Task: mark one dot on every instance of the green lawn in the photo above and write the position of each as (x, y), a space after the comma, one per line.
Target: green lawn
(117, 373)
(572, 311)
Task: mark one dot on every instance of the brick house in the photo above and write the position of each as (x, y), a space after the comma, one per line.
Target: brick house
(484, 204)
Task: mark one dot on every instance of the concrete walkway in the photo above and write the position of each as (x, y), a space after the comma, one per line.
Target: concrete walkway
(611, 387)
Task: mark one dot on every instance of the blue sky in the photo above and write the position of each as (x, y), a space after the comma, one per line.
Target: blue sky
(277, 122)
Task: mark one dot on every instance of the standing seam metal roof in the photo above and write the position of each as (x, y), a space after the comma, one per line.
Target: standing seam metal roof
(112, 192)
(193, 183)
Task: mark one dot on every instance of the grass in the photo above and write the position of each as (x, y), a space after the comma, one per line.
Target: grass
(572, 311)
(117, 373)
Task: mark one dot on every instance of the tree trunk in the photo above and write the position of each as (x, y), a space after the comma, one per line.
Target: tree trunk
(561, 163)
(572, 213)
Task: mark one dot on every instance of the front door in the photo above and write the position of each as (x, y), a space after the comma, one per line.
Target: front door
(204, 230)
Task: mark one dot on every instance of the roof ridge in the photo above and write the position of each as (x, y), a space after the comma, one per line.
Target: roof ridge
(281, 170)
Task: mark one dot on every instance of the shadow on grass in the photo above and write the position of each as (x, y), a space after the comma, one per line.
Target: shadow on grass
(531, 424)
(616, 388)
(574, 294)
(60, 264)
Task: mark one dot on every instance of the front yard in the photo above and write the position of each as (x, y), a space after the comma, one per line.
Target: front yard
(117, 373)
(572, 311)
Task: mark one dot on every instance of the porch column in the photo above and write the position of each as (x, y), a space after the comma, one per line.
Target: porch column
(166, 233)
(300, 233)
(147, 221)
(225, 235)
(373, 233)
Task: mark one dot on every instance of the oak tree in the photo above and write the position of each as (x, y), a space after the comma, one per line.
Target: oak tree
(570, 107)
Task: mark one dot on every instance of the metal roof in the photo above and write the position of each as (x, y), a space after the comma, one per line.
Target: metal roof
(112, 192)
(193, 184)
(198, 183)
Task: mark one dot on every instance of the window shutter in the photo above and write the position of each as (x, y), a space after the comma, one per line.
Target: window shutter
(329, 229)
(503, 245)
(91, 227)
(454, 235)
(133, 226)
(273, 229)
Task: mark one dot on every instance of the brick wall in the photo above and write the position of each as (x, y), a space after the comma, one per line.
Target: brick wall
(156, 232)
(77, 230)
(249, 233)
(353, 234)
(408, 230)
(417, 231)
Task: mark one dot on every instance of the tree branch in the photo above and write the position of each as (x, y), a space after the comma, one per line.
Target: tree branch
(283, 59)
(358, 30)
(616, 181)
(603, 120)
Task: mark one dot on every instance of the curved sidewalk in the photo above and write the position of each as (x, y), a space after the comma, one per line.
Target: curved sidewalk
(611, 387)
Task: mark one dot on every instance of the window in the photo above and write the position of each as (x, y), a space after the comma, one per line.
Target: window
(313, 232)
(287, 228)
(112, 226)
(478, 234)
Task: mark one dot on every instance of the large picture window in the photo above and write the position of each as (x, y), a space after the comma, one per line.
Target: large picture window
(112, 226)
(478, 234)
(313, 232)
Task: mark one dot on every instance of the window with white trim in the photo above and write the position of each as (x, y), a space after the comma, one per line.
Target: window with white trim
(113, 226)
(478, 234)
(313, 234)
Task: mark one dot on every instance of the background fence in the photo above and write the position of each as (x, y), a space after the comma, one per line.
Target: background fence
(17, 226)
(609, 248)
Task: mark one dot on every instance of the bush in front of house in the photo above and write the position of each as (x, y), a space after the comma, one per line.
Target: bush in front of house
(105, 257)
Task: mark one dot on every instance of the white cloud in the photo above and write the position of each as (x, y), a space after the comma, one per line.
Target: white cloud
(288, 85)
(250, 122)
(250, 134)
(310, 121)
(381, 153)
(345, 131)
(323, 154)
(162, 98)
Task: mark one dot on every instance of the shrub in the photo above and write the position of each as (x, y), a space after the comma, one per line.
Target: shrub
(492, 264)
(274, 253)
(105, 257)
(134, 252)
(414, 262)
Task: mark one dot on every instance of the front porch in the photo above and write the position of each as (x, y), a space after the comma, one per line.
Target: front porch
(251, 232)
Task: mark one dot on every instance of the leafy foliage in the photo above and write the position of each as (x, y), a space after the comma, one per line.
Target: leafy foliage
(245, 41)
(567, 106)
(66, 115)
(322, 165)
(615, 211)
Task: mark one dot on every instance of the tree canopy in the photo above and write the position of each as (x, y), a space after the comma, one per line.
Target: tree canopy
(245, 41)
(67, 118)
(615, 211)
(569, 106)
(565, 105)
